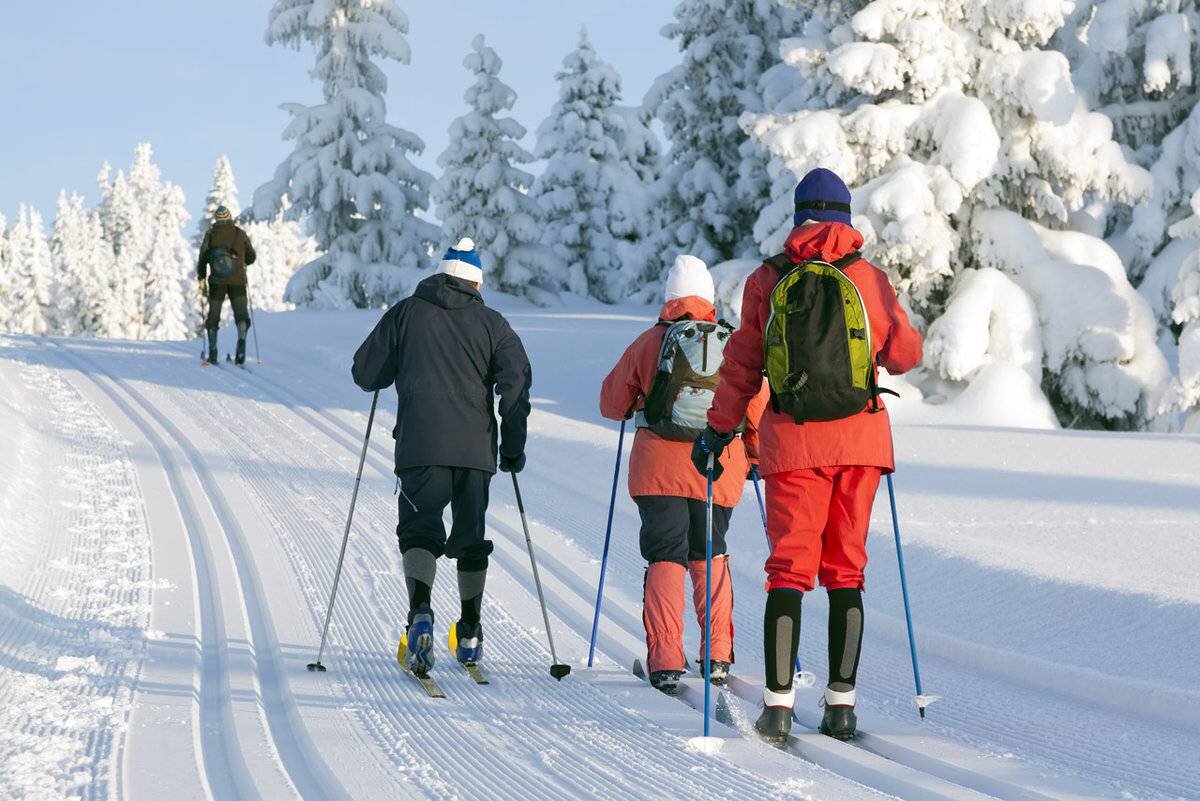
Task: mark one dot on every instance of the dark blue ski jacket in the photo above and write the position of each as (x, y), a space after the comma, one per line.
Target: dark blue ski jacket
(448, 355)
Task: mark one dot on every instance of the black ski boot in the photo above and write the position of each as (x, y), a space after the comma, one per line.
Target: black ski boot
(839, 722)
(718, 672)
(666, 681)
(239, 356)
(212, 347)
(774, 724)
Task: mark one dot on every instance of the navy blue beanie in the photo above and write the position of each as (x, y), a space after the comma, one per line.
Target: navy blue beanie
(823, 197)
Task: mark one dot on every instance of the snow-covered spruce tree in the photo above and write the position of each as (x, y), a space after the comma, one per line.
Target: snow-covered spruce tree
(714, 179)
(168, 272)
(961, 135)
(5, 272)
(31, 275)
(350, 173)
(592, 198)
(128, 232)
(483, 194)
(223, 192)
(83, 263)
(282, 249)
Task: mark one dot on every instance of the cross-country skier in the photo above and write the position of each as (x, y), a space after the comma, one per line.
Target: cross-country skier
(667, 376)
(225, 252)
(826, 441)
(448, 355)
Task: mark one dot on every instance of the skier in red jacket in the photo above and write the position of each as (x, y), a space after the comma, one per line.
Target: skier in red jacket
(671, 498)
(821, 476)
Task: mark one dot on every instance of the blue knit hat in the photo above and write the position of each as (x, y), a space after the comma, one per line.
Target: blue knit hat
(823, 197)
(462, 262)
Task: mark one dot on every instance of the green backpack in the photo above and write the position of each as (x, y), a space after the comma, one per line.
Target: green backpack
(817, 342)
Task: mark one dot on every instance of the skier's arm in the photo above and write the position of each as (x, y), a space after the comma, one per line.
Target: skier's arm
(902, 350)
(250, 254)
(754, 413)
(202, 261)
(375, 364)
(514, 377)
(622, 387)
(741, 371)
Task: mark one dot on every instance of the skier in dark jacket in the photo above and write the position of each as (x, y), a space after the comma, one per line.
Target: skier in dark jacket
(448, 355)
(227, 249)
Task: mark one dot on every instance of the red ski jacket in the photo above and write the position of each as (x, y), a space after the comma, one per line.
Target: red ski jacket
(862, 439)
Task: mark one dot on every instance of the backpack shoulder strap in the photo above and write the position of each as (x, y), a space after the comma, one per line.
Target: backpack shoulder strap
(847, 260)
(781, 262)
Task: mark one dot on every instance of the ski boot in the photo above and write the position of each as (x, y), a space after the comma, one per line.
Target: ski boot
(666, 681)
(212, 347)
(419, 656)
(239, 356)
(839, 722)
(774, 724)
(469, 647)
(718, 672)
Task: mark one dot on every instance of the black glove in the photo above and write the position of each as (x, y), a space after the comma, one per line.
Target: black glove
(512, 464)
(752, 475)
(710, 442)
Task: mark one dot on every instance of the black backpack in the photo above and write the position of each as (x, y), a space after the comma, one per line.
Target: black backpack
(223, 262)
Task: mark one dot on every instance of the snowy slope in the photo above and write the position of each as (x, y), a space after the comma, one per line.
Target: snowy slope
(169, 535)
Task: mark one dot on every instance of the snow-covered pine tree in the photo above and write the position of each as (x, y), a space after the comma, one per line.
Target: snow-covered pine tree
(31, 274)
(968, 147)
(223, 192)
(282, 249)
(592, 198)
(5, 272)
(129, 233)
(167, 305)
(714, 180)
(350, 173)
(483, 194)
(82, 262)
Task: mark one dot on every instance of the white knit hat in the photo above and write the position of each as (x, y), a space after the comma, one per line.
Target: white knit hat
(689, 276)
(463, 262)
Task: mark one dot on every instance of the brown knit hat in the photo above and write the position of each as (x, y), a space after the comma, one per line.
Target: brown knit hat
(222, 214)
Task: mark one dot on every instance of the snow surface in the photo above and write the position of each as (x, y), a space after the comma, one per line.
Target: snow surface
(169, 534)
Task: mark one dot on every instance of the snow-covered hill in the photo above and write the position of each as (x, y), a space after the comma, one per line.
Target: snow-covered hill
(168, 536)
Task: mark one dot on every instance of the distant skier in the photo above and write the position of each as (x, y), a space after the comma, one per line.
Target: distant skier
(667, 376)
(826, 441)
(448, 355)
(226, 250)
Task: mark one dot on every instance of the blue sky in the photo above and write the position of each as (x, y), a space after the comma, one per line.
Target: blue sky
(86, 81)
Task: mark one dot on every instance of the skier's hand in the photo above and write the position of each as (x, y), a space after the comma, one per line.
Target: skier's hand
(710, 442)
(512, 464)
(203, 287)
(752, 474)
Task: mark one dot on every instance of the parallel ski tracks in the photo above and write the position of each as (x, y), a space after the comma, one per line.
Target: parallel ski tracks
(227, 775)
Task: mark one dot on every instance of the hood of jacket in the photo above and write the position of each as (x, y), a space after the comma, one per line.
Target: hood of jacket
(447, 291)
(827, 241)
(688, 307)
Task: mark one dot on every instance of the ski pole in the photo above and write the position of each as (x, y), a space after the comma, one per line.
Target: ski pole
(708, 530)
(557, 669)
(203, 329)
(253, 327)
(921, 699)
(337, 574)
(612, 504)
(762, 511)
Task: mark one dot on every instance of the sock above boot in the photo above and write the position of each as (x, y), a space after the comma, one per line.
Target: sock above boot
(845, 644)
(781, 638)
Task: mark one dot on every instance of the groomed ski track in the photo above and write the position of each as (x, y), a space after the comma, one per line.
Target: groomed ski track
(245, 477)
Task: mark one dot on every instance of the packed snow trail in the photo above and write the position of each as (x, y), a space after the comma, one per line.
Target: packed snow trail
(1044, 629)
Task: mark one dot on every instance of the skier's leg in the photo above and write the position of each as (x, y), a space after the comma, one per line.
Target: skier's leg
(722, 586)
(241, 316)
(797, 504)
(216, 299)
(424, 493)
(663, 541)
(843, 559)
(469, 545)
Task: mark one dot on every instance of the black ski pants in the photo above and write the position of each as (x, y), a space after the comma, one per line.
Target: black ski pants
(673, 528)
(237, 299)
(425, 492)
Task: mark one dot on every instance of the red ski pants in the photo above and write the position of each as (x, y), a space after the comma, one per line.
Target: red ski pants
(817, 522)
